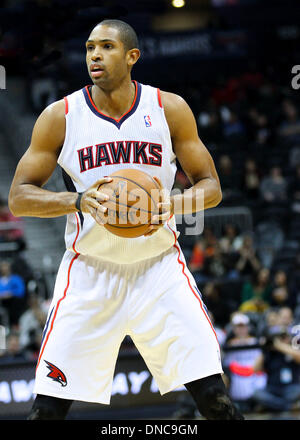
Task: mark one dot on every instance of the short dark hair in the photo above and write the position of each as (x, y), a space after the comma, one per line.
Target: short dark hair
(126, 32)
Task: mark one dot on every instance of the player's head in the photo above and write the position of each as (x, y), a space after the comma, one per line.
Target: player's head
(112, 46)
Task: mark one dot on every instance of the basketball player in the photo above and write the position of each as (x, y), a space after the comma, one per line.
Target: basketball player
(108, 287)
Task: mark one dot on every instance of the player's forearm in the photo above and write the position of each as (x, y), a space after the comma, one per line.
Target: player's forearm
(31, 201)
(203, 195)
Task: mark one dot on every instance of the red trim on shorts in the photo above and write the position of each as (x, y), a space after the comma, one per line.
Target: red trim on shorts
(189, 283)
(64, 295)
(66, 105)
(159, 98)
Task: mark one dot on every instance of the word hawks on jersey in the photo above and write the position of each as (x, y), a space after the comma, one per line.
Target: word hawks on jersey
(111, 153)
(147, 121)
(56, 374)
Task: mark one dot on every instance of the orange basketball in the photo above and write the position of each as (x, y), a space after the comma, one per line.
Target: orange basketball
(133, 197)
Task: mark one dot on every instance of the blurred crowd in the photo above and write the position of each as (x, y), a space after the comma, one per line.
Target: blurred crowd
(250, 278)
(23, 303)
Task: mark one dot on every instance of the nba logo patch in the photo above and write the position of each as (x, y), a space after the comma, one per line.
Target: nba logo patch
(147, 121)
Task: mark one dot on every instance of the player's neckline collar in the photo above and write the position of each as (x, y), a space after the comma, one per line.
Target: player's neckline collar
(116, 122)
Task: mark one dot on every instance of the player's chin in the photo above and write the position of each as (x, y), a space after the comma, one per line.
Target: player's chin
(96, 80)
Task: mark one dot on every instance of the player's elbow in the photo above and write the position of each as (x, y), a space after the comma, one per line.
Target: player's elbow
(12, 207)
(218, 197)
(13, 204)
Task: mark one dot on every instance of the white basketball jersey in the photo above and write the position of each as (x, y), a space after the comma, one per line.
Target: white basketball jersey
(97, 145)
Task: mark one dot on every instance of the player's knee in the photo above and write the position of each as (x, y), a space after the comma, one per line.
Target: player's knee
(49, 408)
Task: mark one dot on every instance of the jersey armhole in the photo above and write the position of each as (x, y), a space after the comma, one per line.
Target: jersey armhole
(159, 98)
(66, 105)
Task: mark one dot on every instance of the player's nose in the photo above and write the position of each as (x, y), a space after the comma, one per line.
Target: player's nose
(97, 55)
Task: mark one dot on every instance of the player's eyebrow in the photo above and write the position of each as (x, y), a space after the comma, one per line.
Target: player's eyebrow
(105, 40)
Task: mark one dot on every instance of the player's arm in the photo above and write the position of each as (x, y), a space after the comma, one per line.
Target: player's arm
(27, 197)
(193, 157)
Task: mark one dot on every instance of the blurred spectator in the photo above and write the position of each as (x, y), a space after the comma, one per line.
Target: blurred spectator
(280, 291)
(290, 127)
(210, 241)
(202, 255)
(294, 282)
(31, 324)
(12, 292)
(248, 262)
(232, 125)
(285, 318)
(239, 362)
(215, 264)
(11, 227)
(263, 131)
(269, 237)
(274, 187)
(225, 91)
(294, 191)
(268, 319)
(229, 179)
(204, 247)
(251, 180)
(281, 362)
(209, 126)
(294, 157)
(215, 304)
(13, 352)
(220, 332)
(256, 294)
(197, 258)
(259, 126)
(230, 241)
(43, 91)
(4, 318)
(240, 334)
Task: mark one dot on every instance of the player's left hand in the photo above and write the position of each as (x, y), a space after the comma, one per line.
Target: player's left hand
(165, 207)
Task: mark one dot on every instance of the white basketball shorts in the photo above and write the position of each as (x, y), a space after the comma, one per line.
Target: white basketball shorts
(96, 304)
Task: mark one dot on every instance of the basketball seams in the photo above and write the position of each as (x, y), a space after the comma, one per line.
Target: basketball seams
(117, 202)
(137, 184)
(128, 227)
(129, 182)
(128, 206)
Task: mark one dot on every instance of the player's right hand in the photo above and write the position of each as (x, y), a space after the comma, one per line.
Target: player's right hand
(92, 199)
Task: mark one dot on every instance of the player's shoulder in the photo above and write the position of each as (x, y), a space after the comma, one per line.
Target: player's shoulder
(172, 102)
(176, 110)
(55, 110)
(51, 122)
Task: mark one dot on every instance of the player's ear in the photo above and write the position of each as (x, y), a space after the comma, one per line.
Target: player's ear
(132, 56)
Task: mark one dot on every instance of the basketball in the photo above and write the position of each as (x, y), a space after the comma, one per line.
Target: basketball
(133, 197)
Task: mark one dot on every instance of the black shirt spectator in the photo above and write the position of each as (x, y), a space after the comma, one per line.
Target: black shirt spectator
(281, 362)
(13, 353)
(274, 187)
(248, 261)
(294, 191)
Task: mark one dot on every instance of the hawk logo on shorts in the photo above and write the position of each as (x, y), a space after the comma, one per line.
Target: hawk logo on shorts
(56, 374)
